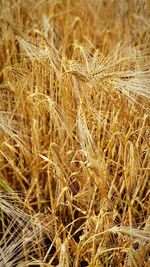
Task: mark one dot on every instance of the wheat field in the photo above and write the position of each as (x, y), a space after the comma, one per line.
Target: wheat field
(75, 133)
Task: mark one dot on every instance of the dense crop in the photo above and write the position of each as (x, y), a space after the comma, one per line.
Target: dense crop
(74, 133)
